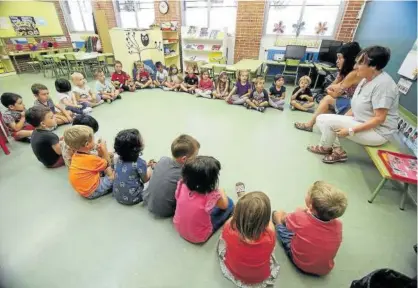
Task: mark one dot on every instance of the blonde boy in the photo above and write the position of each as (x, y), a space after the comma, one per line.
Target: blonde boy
(86, 168)
(104, 88)
(312, 235)
(82, 91)
(302, 98)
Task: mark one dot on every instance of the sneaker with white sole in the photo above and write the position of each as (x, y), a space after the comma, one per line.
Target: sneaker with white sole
(87, 110)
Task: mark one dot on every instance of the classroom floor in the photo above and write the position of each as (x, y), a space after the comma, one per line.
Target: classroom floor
(51, 237)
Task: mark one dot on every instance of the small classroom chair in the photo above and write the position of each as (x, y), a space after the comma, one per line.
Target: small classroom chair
(60, 67)
(46, 64)
(34, 64)
(291, 68)
(74, 65)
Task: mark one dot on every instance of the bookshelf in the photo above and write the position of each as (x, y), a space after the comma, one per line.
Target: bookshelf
(171, 48)
(6, 65)
(202, 45)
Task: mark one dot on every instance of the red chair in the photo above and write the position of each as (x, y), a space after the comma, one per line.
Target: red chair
(3, 136)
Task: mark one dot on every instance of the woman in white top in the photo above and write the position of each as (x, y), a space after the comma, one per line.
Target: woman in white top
(373, 116)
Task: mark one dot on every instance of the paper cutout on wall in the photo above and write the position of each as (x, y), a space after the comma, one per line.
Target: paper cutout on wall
(41, 21)
(279, 27)
(24, 25)
(4, 23)
(409, 65)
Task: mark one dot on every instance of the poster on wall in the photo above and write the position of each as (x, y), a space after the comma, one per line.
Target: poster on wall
(409, 65)
(24, 25)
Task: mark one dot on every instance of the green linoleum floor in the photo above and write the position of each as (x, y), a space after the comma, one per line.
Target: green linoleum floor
(50, 237)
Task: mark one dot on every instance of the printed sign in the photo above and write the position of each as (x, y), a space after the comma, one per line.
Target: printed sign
(24, 25)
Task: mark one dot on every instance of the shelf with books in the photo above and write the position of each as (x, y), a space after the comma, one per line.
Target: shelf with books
(170, 56)
(203, 44)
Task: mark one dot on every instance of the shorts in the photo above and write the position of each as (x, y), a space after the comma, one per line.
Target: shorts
(285, 236)
(27, 127)
(342, 105)
(105, 187)
(60, 162)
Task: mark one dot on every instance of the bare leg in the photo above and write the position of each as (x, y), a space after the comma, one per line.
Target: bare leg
(298, 106)
(322, 108)
(183, 88)
(23, 134)
(251, 103)
(149, 82)
(264, 104)
(61, 119)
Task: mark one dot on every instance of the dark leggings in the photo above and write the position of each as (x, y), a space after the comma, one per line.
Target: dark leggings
(77, 110)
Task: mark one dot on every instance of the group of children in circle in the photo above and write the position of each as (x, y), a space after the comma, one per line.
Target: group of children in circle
(250, 93)
(184, 185)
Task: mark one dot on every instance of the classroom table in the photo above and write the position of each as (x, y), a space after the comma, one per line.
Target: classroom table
(304, 65)
(80, 56)
(249, 64)
(15, 54)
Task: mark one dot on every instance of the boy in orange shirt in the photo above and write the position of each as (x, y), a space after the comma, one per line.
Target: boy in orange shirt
(86, 170)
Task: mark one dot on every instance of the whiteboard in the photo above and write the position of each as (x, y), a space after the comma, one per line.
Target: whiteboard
(409, 66)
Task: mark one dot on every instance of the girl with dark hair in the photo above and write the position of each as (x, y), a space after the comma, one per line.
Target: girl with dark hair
(202, 208)
(67, 98)
(131, 171)
(247, 243)
(342, 89)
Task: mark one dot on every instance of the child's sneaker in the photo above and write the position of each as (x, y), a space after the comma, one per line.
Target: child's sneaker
(108, 101)
(261, 109)
(280, 108)
(229, 101)
(292, 108)
(100, 102)
(119, 97)
(87, 110)
(246, 105)
(166, 88)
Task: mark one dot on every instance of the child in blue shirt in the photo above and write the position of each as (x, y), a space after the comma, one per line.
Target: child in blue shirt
(104, 88)
(131, 171)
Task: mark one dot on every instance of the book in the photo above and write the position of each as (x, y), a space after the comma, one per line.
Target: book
(214, 34)
(192, 31)
(204, 32)
(401, 167)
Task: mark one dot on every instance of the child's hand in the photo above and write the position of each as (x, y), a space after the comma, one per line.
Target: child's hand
(151, 163)
(22, 114)
(102, 148)
(79, 106)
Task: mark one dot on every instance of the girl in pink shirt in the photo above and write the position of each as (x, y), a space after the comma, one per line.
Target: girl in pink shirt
(205, 86)
(201, 208)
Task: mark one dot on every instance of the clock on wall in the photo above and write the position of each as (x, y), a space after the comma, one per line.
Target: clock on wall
(163, 7)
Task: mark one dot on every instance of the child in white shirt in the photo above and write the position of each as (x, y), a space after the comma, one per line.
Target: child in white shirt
(67, 98)
(82, 91)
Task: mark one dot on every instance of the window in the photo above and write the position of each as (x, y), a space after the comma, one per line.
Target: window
(303, 17)
(78, 15)
(215, 14)
(135, 14)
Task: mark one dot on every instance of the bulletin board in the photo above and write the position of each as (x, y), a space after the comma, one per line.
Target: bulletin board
(28, 19)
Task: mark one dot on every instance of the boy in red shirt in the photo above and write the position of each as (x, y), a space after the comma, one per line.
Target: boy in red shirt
(142, 77)
(121, 80)
(311, 236)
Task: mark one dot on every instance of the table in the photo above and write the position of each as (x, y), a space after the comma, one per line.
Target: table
(248, 64)
(304, 65)
(80, 56)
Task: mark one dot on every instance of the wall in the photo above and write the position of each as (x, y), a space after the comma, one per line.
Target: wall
(349, 23)
(398, 33)
(249, 29)
(107, 7)
(173, 14)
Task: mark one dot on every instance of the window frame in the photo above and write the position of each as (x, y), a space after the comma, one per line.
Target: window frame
(208, 8)
(304, 4)
(137, 8)
(66, 11)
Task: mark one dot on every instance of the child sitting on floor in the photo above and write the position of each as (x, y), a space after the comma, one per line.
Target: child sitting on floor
(222, 86)
(121, 81)
(302, 96)
(311, 236)
(159, 196)
(202, 208)
(190, 82)
(142, 77)
(82, 91)
(41, 93)
(87, 120)
(247, 243)
(277, 93)
(131, 170)
(67, 98)
(242, 89)
(86, 169)
(14, 117)
(174, 78)
(259, 97)
(45, 144)
(205, 86)
(104, 88)
(161, 77)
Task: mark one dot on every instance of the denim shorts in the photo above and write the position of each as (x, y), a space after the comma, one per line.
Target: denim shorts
(105, 187)
(285, 236)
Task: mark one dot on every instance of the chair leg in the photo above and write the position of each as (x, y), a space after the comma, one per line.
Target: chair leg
(377, 190)
(403, 196)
